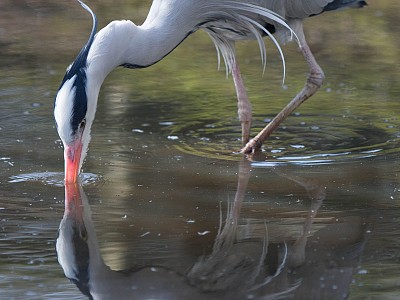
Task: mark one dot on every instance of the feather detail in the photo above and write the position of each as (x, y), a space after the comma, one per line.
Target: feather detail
(230, 21)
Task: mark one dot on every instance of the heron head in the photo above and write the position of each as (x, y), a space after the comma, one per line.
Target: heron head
(72, 113)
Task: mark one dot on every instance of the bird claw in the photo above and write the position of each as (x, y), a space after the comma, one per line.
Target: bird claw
(253, 152)
(251, 147)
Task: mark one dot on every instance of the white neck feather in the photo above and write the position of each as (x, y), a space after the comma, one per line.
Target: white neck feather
(123, 42)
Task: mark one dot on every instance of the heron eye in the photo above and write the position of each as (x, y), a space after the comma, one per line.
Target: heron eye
(82, 125)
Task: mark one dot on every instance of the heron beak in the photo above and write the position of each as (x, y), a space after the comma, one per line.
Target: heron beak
(72, 157)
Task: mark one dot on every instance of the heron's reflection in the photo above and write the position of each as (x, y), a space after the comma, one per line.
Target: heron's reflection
(316, 264)
(79, 256)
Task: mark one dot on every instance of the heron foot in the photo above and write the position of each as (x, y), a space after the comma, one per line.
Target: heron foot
(252, 151)
(251, 147)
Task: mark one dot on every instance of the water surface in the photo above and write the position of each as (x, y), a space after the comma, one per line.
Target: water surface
(166, 198)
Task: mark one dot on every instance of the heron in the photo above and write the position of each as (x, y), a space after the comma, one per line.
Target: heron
(168, 23)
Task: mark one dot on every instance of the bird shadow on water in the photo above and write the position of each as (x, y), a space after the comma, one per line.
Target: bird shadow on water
(253, 258)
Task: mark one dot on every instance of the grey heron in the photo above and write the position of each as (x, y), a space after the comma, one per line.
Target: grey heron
(169, 22)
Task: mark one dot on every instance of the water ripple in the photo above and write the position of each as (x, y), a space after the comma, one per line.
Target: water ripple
(52, 178)
(295, 144)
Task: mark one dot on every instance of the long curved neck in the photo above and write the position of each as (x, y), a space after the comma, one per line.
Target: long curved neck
(122, 43)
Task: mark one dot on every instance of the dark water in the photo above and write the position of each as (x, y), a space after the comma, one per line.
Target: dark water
(166, 199)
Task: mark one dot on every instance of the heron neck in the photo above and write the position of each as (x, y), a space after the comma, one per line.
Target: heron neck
(122, 43)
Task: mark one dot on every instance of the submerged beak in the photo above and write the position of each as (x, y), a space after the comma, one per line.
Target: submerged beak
(72, 157)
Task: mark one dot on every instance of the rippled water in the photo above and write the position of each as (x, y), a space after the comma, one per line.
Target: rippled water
(165, 197)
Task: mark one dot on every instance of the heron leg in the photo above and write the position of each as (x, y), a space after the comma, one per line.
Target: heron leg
(313, 83)
(244, 106)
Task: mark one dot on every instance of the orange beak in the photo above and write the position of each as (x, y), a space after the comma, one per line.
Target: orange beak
(72, 157)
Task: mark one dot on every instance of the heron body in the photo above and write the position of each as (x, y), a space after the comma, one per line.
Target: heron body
(169, 22)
